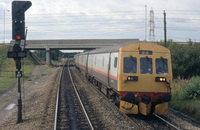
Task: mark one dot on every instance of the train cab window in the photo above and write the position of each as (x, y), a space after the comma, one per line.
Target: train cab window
(161, 66)
(130, 65)
(115, 62)
(146, 65)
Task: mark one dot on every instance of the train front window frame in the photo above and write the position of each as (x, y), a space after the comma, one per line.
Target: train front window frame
(130, 65)
(146, 65)
(161, 66)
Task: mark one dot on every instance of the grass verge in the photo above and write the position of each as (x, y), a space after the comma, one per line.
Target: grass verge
(186, 97)
(7, 79)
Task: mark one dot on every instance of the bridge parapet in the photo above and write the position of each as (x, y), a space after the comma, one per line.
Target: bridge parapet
(73, 43)
(70, 44)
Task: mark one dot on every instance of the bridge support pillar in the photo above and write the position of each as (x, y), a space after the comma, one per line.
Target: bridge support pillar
(48, 56)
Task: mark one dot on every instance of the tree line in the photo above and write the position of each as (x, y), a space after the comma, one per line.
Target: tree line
(185, 59)
(56, 55)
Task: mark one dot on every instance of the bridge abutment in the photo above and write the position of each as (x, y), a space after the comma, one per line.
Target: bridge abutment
(48, 56)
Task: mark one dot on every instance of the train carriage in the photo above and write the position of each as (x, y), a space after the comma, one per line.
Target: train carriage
(137, 76)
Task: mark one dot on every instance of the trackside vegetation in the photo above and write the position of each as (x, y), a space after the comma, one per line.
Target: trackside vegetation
(3, 53)
(185, 59)
(7, 77)
(186, 96)
(55, 55)
(186, 73)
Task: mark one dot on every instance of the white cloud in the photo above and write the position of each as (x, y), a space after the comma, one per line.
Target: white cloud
(105, 18)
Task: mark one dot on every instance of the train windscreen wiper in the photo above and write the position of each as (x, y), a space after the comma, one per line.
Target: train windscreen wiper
(163, 60)
(133, 59)
(148, 59)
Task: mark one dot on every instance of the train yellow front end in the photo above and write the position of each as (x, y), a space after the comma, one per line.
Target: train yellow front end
(144, 78)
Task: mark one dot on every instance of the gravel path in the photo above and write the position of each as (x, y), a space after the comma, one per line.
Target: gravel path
(38, 102)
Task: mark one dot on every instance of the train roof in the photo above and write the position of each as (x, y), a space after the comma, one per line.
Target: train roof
(112, 48)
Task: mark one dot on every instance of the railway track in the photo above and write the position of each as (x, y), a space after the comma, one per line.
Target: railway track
(70, 112)
(103, 114)
(154, 122)
(151, 122)
(169, 125)
(113, 112)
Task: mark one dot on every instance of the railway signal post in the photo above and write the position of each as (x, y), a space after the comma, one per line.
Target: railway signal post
(18, 34)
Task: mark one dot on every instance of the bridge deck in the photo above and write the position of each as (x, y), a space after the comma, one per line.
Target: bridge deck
(73, 43)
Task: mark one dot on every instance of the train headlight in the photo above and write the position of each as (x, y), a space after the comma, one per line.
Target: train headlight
(160, 79)
(132, 78)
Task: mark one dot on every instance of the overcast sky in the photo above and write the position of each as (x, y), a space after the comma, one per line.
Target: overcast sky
(105, 19)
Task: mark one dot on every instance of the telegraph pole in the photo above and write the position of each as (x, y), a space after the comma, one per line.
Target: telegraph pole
(152, 26)
(145, 22)
(165, 30)
(18, 34)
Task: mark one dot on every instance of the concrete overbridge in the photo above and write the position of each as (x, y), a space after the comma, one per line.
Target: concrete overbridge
(70, 44)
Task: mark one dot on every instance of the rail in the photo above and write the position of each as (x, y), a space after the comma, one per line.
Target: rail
(80, 99)
(57, 99)
(166, 121)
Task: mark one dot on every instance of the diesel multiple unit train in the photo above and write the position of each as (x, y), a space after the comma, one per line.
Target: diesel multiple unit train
(136, 76)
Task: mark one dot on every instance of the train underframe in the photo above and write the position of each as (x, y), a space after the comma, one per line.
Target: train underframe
(134, 102)
(144, 103)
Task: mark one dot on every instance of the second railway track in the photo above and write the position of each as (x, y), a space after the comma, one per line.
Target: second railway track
(70, 114)
(101, 112)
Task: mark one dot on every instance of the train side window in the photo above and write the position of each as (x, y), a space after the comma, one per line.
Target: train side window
(161, 66)
(130, 65)
(115, 62)
(95, 60)
(103, 62)
(146, 65)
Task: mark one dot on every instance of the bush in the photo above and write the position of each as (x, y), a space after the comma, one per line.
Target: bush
(186, 89)
(191, 89)
(186, 96)
(185, 59)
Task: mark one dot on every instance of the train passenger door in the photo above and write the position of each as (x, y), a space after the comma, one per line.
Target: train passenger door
(87, 62)
(113, 70)
(109, 65)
